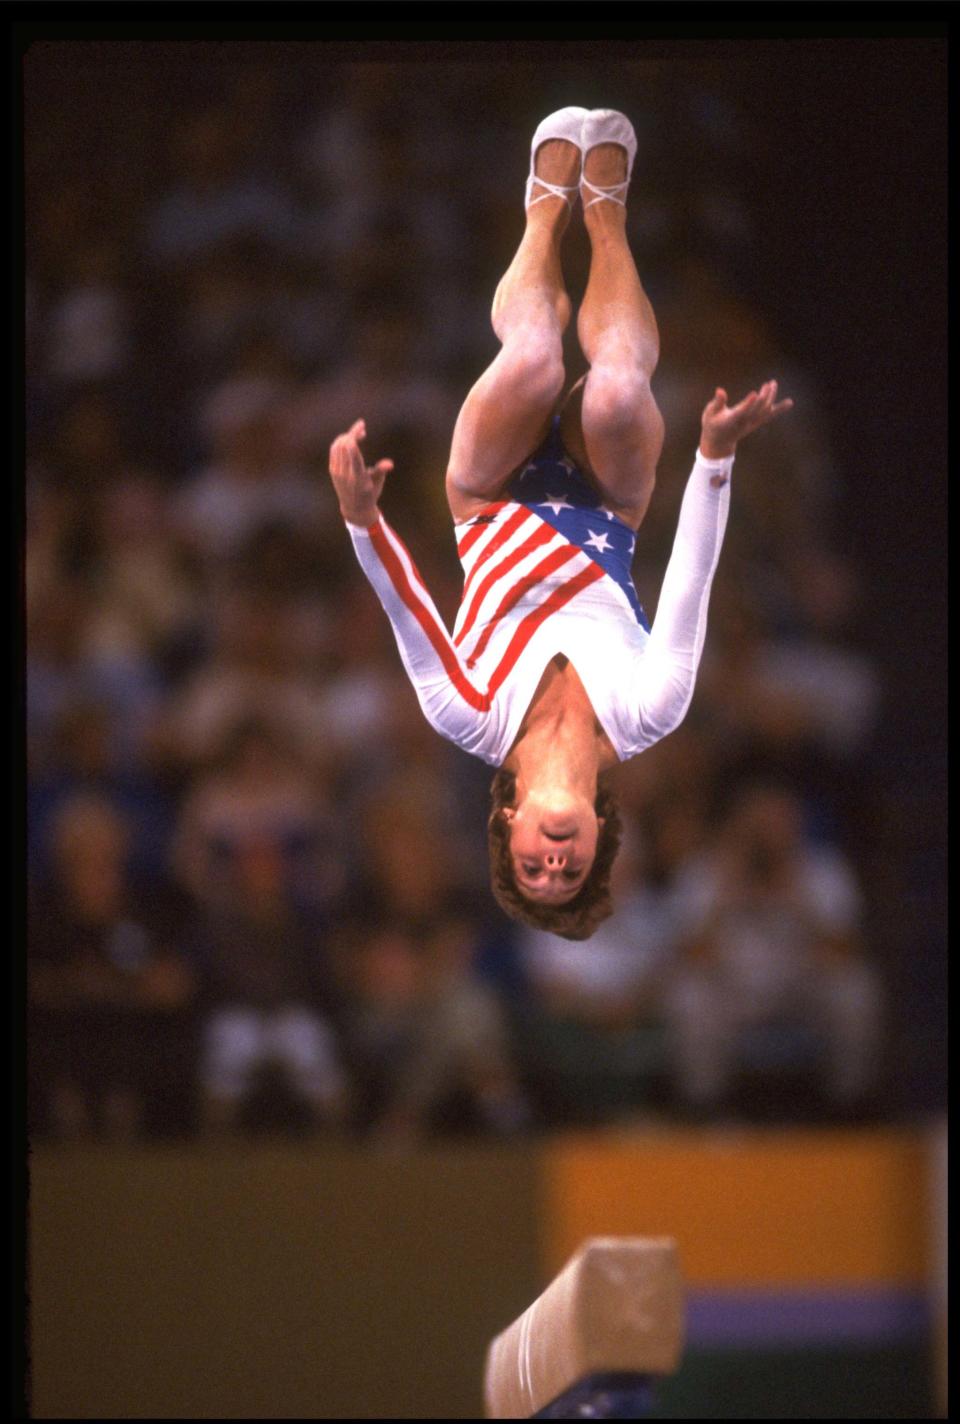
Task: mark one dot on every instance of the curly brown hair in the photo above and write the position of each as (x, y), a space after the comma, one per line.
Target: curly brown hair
(579, 917)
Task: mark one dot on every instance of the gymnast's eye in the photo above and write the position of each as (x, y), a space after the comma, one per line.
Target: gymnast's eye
(530, 869)
(571, 875)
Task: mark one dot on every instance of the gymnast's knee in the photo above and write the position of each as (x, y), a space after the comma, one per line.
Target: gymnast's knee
(618, 402)
(534, 365)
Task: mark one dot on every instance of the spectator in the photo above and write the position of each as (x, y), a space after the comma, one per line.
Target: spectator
(768, 933)
(110, 993)
(256, 671)
(145, 603)
(265, 996)
(429, 1044)
(358, 696)
(85, 757)
(61, 670)
(593, 1036)
(259, 794)
(251, 479)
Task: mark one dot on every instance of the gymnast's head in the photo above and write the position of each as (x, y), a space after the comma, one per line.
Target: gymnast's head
(551, 855)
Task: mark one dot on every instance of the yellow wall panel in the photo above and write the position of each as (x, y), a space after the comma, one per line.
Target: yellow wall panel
(749, 1208)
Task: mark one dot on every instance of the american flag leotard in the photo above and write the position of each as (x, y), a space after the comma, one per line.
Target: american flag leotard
(547, 571)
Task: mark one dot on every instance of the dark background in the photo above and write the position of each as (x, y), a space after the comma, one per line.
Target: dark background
(858, 178)
(852, 266)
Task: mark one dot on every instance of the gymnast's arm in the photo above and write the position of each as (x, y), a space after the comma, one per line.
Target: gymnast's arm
(450, 701)
(666, 679)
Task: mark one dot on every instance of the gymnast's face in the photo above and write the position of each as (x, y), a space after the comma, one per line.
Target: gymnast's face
(552, 847)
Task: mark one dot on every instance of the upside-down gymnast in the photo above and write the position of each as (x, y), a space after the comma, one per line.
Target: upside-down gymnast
(553, 674)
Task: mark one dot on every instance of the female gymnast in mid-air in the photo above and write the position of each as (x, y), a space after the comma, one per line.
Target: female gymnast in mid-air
(553, 674)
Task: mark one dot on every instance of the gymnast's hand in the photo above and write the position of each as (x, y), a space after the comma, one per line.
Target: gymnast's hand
(358, 485)
(723, 425)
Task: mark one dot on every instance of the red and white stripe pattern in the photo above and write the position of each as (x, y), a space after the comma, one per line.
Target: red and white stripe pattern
(528, 585)
(405, 597)
(519, 572)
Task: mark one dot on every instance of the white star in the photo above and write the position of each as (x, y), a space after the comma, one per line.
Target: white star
(609, 513)
(567, 465)
(556, 502)
(598, 541)
(528, 470)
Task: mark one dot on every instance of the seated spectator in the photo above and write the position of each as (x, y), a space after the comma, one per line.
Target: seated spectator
(429, 1040)
(62, 670)
(771, 962)
(593, 1034)
(259, 794)
(429, 1044)
(800, 691)
(110, 993)
(359, 687)
(266, 998)
(84, 757)
(820, 659)
(256, 851)
(251, 477)
(145, 601)
(256, 671)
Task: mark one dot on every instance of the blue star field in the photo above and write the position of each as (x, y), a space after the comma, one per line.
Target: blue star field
(555, 488)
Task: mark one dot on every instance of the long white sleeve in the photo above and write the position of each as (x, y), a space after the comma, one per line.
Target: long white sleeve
(452, 702)
(668, 668)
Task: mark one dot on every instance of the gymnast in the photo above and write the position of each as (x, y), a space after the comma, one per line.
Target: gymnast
(553, 673)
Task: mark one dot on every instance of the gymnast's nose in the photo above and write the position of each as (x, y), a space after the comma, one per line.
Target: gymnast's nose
(556, 859)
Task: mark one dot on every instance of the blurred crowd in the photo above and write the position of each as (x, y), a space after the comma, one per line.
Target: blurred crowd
(257, 880)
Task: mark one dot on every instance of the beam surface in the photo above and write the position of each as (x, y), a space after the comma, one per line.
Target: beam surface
(617, 1306)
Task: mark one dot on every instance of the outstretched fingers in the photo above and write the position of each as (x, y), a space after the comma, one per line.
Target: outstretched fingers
(358, 485)
(760, 406)
(345, 452)
(768, 405)
(748, 405)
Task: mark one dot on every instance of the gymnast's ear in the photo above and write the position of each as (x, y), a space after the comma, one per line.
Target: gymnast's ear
(508, 813)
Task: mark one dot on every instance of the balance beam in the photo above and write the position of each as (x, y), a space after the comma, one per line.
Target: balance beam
(610, 1320)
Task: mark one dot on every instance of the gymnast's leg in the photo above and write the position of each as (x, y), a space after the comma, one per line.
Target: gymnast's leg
(508, 411)
(611, 423)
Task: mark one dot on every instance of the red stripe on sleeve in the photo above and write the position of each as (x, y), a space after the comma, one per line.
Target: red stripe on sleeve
(437, 635)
